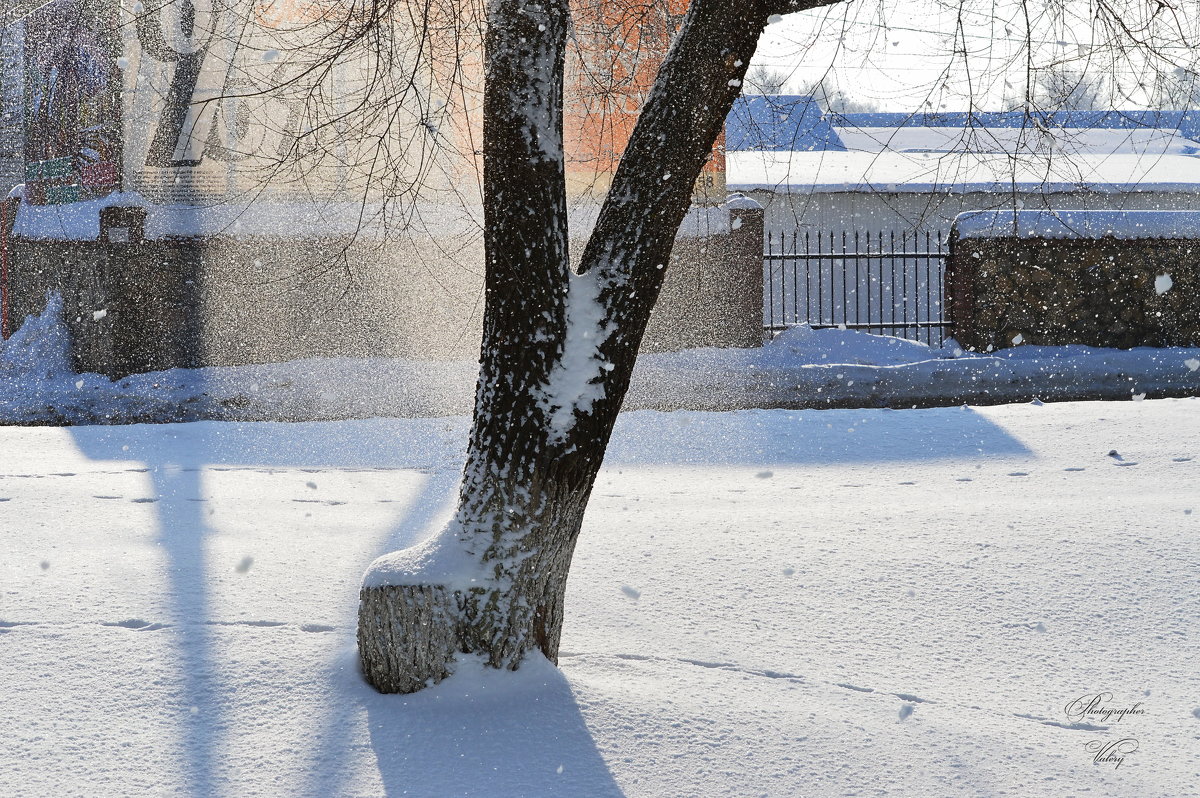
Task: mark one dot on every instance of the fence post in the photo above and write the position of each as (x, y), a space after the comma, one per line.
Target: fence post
(8, 218)
(746, 262)
(959, 294)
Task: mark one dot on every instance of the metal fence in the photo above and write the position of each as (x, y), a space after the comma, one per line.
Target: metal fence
(885, 283)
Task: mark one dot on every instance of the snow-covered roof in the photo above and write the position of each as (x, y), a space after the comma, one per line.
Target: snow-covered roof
(787, 143)
(1078, 224)
(799, 123)
(766, 123)
(80, 221)
(961, 172)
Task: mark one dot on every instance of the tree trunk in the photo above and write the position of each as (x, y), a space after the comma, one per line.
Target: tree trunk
(558, 347)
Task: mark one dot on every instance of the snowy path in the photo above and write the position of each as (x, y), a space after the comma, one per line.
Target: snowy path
(813, 603)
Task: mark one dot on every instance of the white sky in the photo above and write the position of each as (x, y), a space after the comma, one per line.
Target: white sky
(902, 56)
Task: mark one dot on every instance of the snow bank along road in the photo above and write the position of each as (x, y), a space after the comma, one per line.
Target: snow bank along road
(800, 368)
(764, 603)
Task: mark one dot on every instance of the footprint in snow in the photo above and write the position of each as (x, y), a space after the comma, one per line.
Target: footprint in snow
(136, 624)
(854, 687)
(1018, 473)
(1033, 627)
(1074, 469)
(912, 698)
(906, 710)
(1060, 724)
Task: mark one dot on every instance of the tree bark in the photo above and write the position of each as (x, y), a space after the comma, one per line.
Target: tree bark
(558, 347)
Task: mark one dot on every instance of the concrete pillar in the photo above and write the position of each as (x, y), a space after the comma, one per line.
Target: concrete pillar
(746, 266)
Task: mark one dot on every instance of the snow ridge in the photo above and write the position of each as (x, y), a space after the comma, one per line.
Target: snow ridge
(40, 350)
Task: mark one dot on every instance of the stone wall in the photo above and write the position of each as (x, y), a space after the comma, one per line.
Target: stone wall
(1105, 291)
(713, 292)
(225, 300)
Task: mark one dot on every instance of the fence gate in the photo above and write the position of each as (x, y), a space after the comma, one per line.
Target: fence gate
(879, 282)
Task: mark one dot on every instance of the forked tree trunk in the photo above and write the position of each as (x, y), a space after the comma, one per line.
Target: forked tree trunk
(558, 347)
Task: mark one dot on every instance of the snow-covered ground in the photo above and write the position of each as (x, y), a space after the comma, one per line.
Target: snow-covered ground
(800, 368)
(764, 603)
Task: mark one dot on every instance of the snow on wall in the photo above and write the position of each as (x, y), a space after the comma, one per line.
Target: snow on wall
(77, 221)
(80, 221)
(1129, 225)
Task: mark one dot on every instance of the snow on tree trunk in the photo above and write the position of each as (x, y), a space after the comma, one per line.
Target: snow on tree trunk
(558, 346)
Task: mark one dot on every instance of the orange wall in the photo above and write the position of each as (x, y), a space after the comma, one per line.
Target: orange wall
(622, 43)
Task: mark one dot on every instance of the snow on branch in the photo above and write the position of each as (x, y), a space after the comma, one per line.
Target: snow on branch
(576, 382)
(780, 7)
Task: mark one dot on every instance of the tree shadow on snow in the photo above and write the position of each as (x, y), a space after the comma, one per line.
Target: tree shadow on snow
(807, 437)
(483, 733)
(183, 529)
(478, 733)
(174, 458)
(486, 734)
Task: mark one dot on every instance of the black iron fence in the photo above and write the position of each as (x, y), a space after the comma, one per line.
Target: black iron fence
(885, 283)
